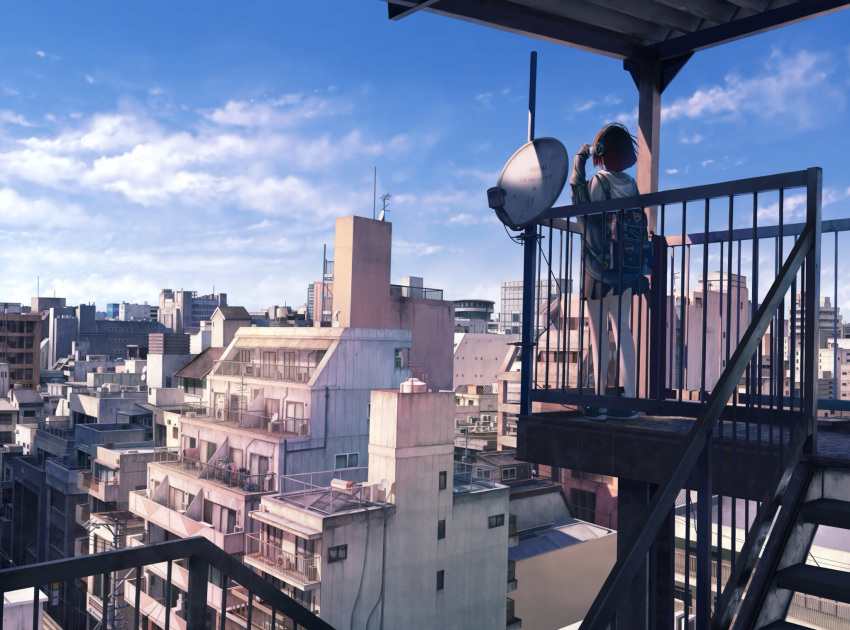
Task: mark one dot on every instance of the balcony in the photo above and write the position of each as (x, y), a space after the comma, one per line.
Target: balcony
(511, 575)
(512, 622)
(82, 514)
(105, 489)
(299, 571)
(175, 521)
(247, 420)
(265, 371)
(227, 475)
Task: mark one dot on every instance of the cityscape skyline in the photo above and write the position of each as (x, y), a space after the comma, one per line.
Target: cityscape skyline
(226, 142)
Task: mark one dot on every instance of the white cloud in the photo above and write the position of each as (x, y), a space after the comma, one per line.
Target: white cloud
(672, 171)
(705, 163)
(10, 91)
(484, 97)
(793, 207)
(89, 78)
(286, 111)
(155, 91)
(262, 225)
(409, 248)
(464, 218)
(24, 212)
(694, 139)
(613, 99)
(583, 107)
(11, 117)
(40, 53)
(794, 86)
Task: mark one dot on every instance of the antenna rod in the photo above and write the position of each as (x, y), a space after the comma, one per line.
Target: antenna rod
(375, 193)
(532, 95)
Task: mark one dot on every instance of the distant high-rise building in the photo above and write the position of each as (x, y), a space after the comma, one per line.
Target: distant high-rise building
(183, 311)
(112, 310)
(510, 316)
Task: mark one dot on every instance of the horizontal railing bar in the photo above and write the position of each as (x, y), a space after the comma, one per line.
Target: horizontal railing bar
(765, 231)
(671, 408)
(624, 571)
(794, 179)
(29, 576)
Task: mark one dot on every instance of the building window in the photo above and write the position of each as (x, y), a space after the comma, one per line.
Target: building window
(443, 480)
(441, 580)
(338, 553)
(583, 504)
(441, 530)
(399, 357)
(346, 460)
(508, 473)
(497, 520)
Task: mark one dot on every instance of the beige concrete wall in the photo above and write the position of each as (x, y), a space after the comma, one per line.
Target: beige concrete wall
(362, 257)
(556, 589)
(431, 323)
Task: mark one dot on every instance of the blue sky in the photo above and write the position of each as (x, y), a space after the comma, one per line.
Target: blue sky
(191, 145)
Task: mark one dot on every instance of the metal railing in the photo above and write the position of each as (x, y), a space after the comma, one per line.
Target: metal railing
(237, 478)
(416, 292)
(473, 477)
(198, 555)
(265, 371)
(322, 491)
(304, 569)
(248, 420)
(704, 333)
(91, 480)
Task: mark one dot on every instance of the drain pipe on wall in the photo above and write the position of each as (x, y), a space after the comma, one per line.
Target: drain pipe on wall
(286, 450)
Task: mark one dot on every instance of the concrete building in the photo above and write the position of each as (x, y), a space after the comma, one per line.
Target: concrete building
(20, 342)
(474, 316)
(423, 541)
(131, 312)
(112, 311)
(167, 353)
(225, 321)
(183, 311)
(510, 315)
(478, 357)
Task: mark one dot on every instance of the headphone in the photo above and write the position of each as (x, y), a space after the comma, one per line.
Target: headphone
(599, 145)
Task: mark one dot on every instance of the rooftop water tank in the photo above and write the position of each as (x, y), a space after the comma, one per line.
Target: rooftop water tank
(413, 386)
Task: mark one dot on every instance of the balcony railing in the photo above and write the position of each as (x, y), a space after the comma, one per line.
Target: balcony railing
(416, 292)
(704, 331)
(174, 519)
(265, 371)
(473, 478)
(198, 555)
(229, 475)
(300, 570)
(248, 420)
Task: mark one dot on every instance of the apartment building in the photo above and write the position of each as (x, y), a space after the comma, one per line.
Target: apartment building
(20, 340)
(422, 544)
(183, 311)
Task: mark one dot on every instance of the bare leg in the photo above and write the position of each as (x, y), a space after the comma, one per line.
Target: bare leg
(597, 315)
(625, 341)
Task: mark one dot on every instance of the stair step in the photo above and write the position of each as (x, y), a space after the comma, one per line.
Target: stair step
(830, 512)
(784, 625)
(826, 583)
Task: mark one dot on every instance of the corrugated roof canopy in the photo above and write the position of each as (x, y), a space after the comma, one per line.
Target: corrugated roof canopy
(627, 29)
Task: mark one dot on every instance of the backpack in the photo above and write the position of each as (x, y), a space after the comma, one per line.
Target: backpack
(626, 244)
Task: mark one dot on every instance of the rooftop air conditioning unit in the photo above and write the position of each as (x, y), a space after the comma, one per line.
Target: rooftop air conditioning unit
(191, 414)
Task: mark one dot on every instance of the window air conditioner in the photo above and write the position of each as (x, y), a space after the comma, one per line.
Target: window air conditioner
(191, 414)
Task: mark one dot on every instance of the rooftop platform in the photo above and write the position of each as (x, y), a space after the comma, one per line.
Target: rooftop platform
(620, 447)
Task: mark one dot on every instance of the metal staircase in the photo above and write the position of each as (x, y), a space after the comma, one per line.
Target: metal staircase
(817, 495)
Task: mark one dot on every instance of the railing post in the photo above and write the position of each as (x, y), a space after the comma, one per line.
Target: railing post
(814, 183)
(199, 570)
(703, 535)
(528, 319)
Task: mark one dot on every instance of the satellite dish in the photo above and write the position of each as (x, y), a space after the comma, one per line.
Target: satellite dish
(144, 377)
(275, 417)
(384, 484)
(144, 369)
(530, 183)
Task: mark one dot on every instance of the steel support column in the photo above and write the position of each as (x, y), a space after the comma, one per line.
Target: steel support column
(199, 570)
(812, 305)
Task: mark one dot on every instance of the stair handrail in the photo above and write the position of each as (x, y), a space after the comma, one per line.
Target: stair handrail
(656, 514)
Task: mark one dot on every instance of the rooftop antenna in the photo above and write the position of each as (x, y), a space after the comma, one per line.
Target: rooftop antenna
(375, 193)
(385, 198)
